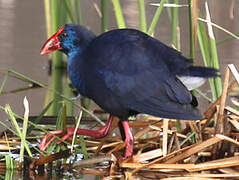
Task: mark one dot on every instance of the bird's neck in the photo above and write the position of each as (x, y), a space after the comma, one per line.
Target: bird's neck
(75, 67)
(76, 64)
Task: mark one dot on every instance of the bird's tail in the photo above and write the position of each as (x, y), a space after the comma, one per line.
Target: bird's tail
(197, 71)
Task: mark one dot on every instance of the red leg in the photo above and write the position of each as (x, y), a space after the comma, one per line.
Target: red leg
(129, 139)
(102, 132)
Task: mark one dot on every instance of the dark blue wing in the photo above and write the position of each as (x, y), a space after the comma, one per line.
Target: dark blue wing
(138, 76)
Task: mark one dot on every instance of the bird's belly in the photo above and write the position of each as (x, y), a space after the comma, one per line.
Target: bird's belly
(110, 104)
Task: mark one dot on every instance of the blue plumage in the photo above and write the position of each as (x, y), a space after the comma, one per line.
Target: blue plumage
(127, 71)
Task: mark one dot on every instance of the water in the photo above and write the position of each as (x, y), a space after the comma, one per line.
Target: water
(22, 33)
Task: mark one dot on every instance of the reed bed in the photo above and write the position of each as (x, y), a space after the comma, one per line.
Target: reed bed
(164, 148)
(162, 152)
(207, 149)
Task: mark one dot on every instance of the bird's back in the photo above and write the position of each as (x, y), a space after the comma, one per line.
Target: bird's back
(128, 71)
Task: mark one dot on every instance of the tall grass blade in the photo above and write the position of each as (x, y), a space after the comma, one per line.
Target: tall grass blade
(175, 26)
(56, 83)
(9, 174)
(119, 14)
(69, 10)
(169, 11)
(204, 43)
(206, 54)
(67, 91)
(142, 16)
(214, 54)
(229, 38)
(31, 123)
(193, 8)
(24, 128)
(10, 163)
(63, 117)
(83, 147)
(156, 18)
(78, 11)
(3, 83)
(60, 125)
(56, 22)
(233, 36)
(22, 77)
(77, 126)
(20, 90)
(104, 18)
(14, 122)
(59, 119)
(47, 17)
(188, 137)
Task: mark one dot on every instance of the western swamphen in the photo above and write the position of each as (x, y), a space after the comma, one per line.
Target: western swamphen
(127, 72)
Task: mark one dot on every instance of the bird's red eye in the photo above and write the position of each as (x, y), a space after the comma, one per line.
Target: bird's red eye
(64, 34)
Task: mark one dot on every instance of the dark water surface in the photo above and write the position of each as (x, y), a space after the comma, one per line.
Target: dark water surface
(22, 33)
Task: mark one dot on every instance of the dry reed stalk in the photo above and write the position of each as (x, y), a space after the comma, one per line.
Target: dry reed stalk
(165, 136)
(234, 72)
(133, 165)
(195, 149)
(228, 171)
(223, 176)
(211, 110)
(148, 155)
(234, 123)
(195, 129)
(226, 138)
(10, 142)
(141, 133)
(215, 164)
(118, 147)
(6, 148)
(233, 111)
(96, 172)
(188, 178)
(99, 147)
(219, 122)
(172, 140)
(178, 146)
(49, 158)
(104, 146)
(94, 160)
(160, 159)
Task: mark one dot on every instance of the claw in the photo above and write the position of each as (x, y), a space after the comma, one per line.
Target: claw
(48, 138)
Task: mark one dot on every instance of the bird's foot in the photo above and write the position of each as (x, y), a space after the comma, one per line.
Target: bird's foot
(128, 150)
(129, 140)
(49, 138)
(100, 133)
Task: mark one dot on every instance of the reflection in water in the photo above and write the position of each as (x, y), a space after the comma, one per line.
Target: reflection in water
(7, 17)
(21, 35)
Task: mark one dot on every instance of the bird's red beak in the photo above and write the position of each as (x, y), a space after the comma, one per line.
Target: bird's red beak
(52, 43)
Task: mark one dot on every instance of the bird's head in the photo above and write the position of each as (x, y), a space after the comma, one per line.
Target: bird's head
(68, 38)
